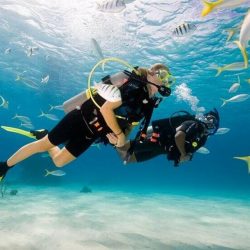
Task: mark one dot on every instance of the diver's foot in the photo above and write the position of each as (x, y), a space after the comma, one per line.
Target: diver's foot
(4, 168)
(39, 134)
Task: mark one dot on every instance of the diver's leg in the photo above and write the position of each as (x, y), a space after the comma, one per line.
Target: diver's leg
(74, 148)
(61, 157)
(29, 149)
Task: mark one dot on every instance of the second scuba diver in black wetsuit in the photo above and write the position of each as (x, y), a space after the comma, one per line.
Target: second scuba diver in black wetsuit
(178, 137)
(111, 109)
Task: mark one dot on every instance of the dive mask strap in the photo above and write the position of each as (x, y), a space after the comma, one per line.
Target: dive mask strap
(163, 90)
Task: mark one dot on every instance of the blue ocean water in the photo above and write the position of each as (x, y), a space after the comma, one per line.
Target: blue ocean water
(60, 34)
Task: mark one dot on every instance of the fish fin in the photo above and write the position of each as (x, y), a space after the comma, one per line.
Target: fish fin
(42, 114)
(209, 6)
(219, 71)
(243, 52)
(51, 107)
(231, 33)
(224, 102)
(14, 117)
(47, 172)
(246, 159)
(18, 131)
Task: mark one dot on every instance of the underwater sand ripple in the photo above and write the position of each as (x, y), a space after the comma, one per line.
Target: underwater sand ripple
(64, 219)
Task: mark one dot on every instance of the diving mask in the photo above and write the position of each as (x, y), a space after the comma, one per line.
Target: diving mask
(165, 77)
(211, 123)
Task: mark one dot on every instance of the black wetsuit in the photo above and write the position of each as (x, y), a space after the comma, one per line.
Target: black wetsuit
(165, 144)
(82, 127)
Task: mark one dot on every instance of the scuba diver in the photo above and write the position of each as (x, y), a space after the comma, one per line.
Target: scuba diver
(178, 137)
(114, 105)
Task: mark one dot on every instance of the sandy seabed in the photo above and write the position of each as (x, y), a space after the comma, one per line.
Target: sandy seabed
(57, 218)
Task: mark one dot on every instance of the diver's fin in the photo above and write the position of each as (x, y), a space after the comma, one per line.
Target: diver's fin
(243, 52)
(3, 170)
(209, 6)
(18, 131)
(246, 159)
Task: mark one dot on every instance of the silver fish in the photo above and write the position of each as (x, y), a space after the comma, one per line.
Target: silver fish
(27, 82)
(203, 150)
(30, 51)
(49, 116)
(7, 51)
(97, 48)
(184, 29)
(24, 119)
(111, 6)
(4, 104)
(222, 131)
(235, 86)
(55, 173)
(236, 98)
(58, 107)
(27, 125)
(45, 79)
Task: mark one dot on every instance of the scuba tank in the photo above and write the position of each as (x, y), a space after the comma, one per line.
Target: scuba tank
(76, 101)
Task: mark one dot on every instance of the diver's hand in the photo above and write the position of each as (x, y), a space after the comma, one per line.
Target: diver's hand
(112, 138)
(184, 158)
(121, 140)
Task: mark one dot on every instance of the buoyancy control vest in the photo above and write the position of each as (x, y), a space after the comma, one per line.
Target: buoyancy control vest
(166, 128)
(136, 103)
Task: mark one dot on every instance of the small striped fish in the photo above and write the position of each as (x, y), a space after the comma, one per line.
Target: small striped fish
(184, 29)
(111, 6)
(109, 92)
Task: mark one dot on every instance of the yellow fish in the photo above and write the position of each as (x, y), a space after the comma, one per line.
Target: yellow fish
(244, 38)
(248, 80)
(219, 4)
(246, 159)
(237, 66)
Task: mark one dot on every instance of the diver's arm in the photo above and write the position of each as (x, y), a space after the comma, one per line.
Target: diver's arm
(180, 137)
(107, 111)
(122, 151)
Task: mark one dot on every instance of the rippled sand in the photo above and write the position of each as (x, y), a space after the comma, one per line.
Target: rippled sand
(56, 218)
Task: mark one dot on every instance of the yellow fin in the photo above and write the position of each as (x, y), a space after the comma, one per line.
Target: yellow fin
(219, 71)
(246, 159)
(18, 131)
(209, 6)
(231, 33)
(243, 52)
